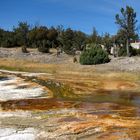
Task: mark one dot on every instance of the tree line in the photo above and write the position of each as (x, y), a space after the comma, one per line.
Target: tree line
(44, 38)
(69, 40)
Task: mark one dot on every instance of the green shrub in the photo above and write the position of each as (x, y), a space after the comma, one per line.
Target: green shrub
(43, 49)
(94, 55)
(44, 46)
(133, 52)
(138, 51)
(122, 51)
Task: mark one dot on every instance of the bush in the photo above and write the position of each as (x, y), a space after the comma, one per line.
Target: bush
(138, 51)
(24, 49)
(133, 52)
(44, 46)
(75, 60)
(122, 51)
(43, 49)
(94, 55)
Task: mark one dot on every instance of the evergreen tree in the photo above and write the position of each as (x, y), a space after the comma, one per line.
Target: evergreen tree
(21, 35)
(127, 23)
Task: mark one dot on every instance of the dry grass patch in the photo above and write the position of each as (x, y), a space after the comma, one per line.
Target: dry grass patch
(26, 66)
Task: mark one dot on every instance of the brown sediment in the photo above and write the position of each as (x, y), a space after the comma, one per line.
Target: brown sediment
(116, 134)
(106, 123)
(88, 84)
(35, 104)
(118, 85)
(69, 119)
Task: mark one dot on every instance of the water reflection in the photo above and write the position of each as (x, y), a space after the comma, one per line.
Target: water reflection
(116, 96)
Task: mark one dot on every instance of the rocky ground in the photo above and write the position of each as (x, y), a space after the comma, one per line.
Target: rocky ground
(34, 55)
(131, 64)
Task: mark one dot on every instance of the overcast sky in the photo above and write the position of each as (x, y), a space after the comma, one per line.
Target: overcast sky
(78, 14)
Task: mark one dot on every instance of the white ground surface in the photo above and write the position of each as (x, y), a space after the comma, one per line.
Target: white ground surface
(13, 88)
(13, 134)
(4, 114)
(16, 88)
